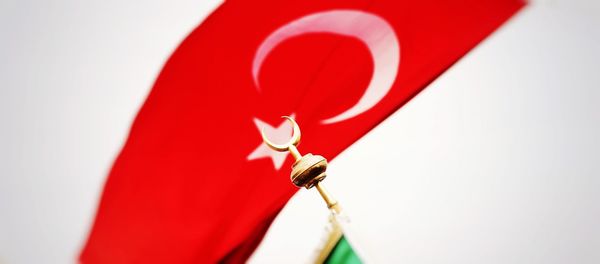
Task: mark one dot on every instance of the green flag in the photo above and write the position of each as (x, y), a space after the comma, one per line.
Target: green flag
(342, 253)
(337, 250)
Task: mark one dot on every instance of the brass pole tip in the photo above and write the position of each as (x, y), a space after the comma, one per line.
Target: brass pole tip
(309, 170)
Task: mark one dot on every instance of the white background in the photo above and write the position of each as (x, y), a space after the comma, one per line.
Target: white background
(496, 162)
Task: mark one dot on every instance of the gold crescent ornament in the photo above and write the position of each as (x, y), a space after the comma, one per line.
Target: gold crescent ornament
(291, 144)
(309, 170)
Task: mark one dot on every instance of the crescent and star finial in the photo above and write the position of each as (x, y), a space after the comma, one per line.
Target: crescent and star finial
(291, 144)
(308, 170)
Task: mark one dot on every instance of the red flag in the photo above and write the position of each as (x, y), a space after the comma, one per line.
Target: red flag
(194, 183)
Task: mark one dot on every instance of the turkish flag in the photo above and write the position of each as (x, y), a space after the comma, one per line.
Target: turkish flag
(194, 183)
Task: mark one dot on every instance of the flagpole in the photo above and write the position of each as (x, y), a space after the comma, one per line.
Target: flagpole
(331, 202)
(308, 171)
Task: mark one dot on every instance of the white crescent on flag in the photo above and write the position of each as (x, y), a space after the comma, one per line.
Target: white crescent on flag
(372, 30)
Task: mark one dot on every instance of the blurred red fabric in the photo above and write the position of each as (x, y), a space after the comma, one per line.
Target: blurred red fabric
(182, 190)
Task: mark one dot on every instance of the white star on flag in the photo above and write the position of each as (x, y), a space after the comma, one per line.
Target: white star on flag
(280, 134)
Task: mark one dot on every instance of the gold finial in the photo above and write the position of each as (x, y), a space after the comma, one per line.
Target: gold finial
(309, 170)
(290, 145)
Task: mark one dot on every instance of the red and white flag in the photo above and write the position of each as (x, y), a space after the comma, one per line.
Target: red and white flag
(194, 183)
